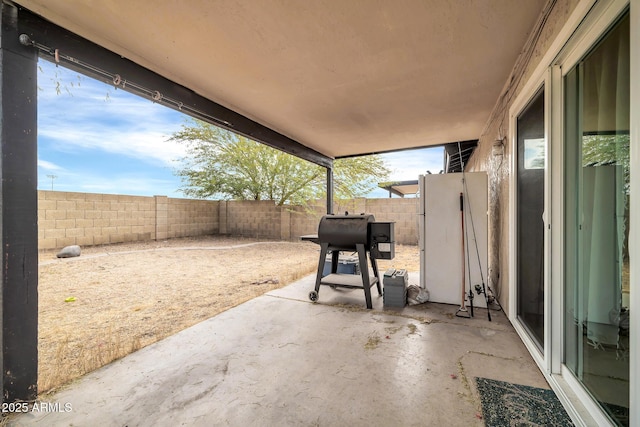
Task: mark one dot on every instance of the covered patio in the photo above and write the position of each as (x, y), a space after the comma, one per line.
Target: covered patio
(282, 360)
(325, 80)
(320, 80)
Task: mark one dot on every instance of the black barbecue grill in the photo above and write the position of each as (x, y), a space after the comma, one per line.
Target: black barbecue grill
(352, 233)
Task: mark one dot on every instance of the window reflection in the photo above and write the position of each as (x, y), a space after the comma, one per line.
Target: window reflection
(597, 188)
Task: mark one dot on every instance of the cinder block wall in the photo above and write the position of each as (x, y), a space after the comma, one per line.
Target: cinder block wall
(186, 218)
(401, 211)
(253, 218)
(305, 221)
(404, 212)
(263, 219)
(87, 219)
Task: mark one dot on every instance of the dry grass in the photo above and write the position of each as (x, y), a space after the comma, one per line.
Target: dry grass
(129, 296)
(406, 257)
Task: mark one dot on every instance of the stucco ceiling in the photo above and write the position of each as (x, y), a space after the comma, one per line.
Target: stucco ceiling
(341, 77)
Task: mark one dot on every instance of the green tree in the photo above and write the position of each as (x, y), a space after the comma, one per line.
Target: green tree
(600, 150)
(221, 164)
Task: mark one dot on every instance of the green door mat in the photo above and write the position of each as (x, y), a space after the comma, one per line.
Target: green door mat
(507, 404)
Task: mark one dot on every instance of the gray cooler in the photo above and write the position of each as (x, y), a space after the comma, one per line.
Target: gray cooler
(395, 287)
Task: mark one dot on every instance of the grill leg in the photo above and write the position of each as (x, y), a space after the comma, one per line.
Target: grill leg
(324, 247)
(335, 255)
(364, 272)
(374, 266)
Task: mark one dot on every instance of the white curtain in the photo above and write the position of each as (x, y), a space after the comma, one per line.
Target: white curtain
(606, 124)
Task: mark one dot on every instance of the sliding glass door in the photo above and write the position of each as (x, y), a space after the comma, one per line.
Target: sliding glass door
(530, 179)
(596, 229)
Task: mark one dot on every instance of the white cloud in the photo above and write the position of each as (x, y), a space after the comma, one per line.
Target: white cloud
(96, 116)
(128, 184)
(50, 166)
(150, 145)
(408, 165)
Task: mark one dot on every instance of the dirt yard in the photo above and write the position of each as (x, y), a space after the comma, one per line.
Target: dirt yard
(113, 300)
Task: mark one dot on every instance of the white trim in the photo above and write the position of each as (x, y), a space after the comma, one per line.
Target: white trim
(603, 15)
(595, 26)
(519, 104)
(580, 406)
(588, 22)
(531, 346)
(546, 215)
(556, 236)
(577, 16)
(513, 246)
(580, 418)
(585, 398)
(634, 232)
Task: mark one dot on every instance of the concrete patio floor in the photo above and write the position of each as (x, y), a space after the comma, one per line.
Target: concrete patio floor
(280, 359)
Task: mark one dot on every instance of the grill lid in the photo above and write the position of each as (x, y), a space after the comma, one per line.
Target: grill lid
(345, 231)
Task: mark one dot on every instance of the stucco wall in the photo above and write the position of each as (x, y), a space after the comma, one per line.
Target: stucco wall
(497, 162)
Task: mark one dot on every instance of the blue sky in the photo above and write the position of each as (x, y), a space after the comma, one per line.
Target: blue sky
(94, 138)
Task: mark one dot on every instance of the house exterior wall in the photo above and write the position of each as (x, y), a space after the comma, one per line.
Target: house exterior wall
(569, 29)
(497, 161)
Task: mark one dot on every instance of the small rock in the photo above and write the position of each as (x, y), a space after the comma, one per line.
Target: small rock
(69, 252)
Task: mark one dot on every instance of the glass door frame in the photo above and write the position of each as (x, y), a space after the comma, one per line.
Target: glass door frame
(588, 35)
(634, 232)
(588, 23)
(523, 100)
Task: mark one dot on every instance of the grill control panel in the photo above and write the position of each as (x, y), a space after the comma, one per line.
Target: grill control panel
(382, 239)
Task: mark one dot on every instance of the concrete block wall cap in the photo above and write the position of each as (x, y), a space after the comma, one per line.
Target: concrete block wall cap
(69, 252)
